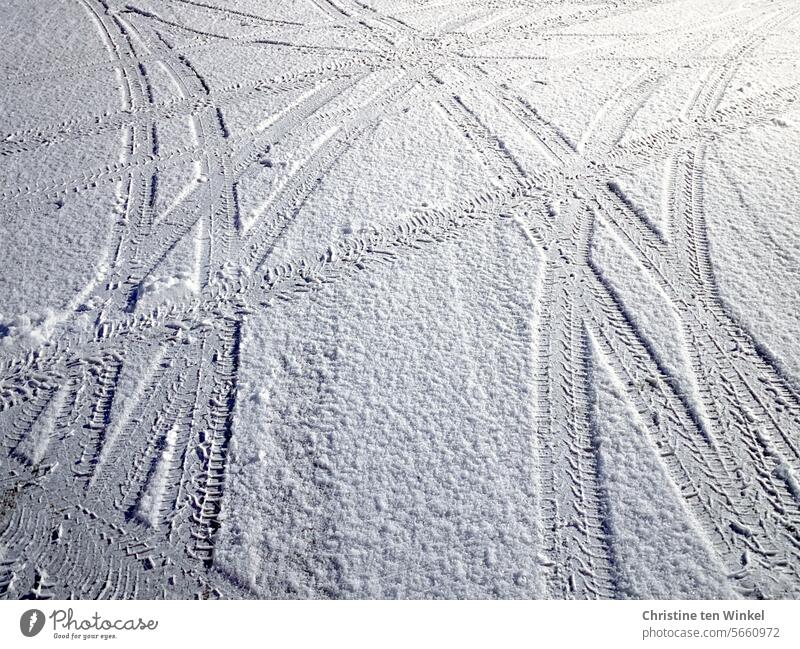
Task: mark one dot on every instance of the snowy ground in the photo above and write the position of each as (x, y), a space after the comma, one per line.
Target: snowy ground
(396, 298)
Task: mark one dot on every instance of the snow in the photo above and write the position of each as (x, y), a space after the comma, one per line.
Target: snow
(399, 299)
(660, 550)
(362, 429)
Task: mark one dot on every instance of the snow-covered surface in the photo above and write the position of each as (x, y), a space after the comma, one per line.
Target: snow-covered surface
(399, 299)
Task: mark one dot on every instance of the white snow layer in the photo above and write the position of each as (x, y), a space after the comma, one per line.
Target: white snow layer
(395, 299)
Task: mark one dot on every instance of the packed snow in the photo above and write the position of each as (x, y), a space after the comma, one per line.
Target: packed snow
(400, 299)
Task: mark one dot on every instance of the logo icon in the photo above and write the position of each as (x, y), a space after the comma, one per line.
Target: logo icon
(31, 622)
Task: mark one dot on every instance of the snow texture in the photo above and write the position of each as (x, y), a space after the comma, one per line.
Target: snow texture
(399, 299)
